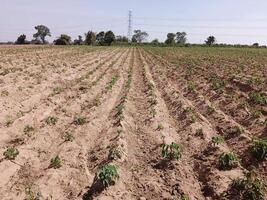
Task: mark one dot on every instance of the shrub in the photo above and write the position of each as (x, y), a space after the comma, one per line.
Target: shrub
(259, 149)
(115, 153)
(249, 188)
(63, 40)
(51, 120)
(257, 98)
(216, 140)
(228, 160)
(11, 153)
(55, 162)
(28, 130)
(171, 152)
(79, 121)
(107, 175)
(68, 137)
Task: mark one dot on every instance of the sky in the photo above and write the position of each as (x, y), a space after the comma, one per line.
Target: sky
(230, 21)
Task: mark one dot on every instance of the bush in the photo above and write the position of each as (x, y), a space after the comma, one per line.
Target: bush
(107, 175)
(228, 160)
(11, 153)
(63, 40)
(249, 188)
(259, 149)
(171, 152)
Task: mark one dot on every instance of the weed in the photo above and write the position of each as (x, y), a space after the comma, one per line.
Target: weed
(115, 153)
(28, 130)
(191, 86)
(31, 195)
(79, 121)
(8, 120)
(107, 175)
(51, 120)
(257, 98)
(55, 162)
(216, 140)
(199, 132)
(250, 187)
(257, 114)
(57, 90)
(184, 197)
(217, 83)
(228, 161)
(11, 153)
(68, 137)
(160, 127)
(259, 149)
(171, 152)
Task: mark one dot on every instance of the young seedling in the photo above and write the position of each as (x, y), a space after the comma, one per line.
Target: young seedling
(160, 127)
(259, 149)
(107, 175)
(115, 153)
(228, 161)
(31, 195)
(51, 121)
(55, 162)
(171, 152)
(68, 137)
(257, 98)
(11, 153)
(79, 121)
(250, 187)
(184, 197)
(216, 140)
(199, 133)
(28, 130)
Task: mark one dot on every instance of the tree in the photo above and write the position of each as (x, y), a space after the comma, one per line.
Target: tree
(120, 38)
(170, 39)
(255, 45)
(100, 38)
(79, 41)
(210, 40)
(181, 37)
(90, 38)
(21, 39)
(155, 42)
(63, 40)
(109, 38)
(139, 36)
(42, 32)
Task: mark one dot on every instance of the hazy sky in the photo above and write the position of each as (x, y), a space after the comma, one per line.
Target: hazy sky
(230, 21)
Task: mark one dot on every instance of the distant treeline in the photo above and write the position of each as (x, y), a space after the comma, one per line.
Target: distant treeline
(108, 38)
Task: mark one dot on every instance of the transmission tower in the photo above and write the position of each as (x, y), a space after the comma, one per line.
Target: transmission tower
(130, 25)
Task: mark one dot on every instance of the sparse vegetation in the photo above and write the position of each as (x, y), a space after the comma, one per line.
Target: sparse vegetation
(228, 161)
(216, 140)
(79, 121)
(51, 120)
(171, 152)
(107, 175)
(259, 149)
(11, 153)
(55, 162)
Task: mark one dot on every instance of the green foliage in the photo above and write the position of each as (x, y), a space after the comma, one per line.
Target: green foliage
(42, 32)
(90, 38)
(184, 197)
(55, 162)
(68, 137)
(139, 36)
(216, 140)
(228, 160)
(210, 40)
(51, 120)
(171, 152)
(115, 153)
(217, 83)
(170, 39)
(79, 121)
(11, 153)
(160, 127)
(21, 39)
(249, 188)
(259, 149)
(63, 40)
(28, 130)
(109, 38)
(257, 98)
(31, 195)
(191, 86)
(107, 175)
(181, 37)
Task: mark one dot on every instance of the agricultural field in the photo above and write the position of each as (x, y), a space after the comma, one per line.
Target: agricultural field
(133, 123)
